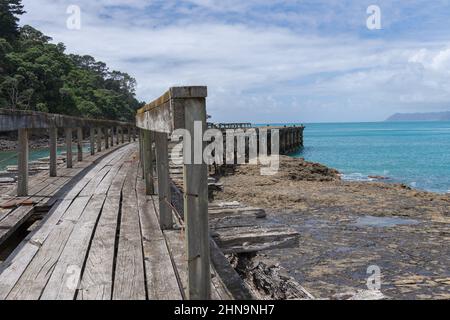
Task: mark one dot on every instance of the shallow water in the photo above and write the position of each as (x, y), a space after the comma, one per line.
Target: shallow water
(371, 221)
(8, 158)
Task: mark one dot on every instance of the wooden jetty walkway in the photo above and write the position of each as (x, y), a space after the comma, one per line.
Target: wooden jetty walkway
(123, 222)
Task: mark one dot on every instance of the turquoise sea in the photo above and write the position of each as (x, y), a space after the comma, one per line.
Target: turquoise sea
(10, 157)
(414, 153)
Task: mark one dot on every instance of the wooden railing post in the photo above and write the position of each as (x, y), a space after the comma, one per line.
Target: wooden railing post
(164, 195)
(112, 137)
(92, 140)
(69, 156)
(196, 203)
(117, 136)
(147, 161)
(80, 144)
(22, 166)
(106, 135)
(141, 151)
(134, 134)
(53, 135)
(129, 133)
(99, 139)
(184, 108)
(122, 135)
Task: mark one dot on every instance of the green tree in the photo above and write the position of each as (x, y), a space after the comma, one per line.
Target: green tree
(10, 10)
(36, 74)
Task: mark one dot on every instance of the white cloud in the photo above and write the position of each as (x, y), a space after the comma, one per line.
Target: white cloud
(254, 72)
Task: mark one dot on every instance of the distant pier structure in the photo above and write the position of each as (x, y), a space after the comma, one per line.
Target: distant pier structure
(291, 137)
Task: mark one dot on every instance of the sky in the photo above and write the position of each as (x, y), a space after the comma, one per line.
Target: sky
(269, 61)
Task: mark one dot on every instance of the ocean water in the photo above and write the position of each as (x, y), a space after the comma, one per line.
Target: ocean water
(414, 153)
(10, 157)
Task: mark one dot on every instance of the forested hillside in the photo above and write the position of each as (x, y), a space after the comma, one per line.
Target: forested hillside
(36, 74)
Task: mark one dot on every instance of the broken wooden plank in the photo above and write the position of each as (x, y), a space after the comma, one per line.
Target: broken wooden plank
(37, 273)
(253, 239)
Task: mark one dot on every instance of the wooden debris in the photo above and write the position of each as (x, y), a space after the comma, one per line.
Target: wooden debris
(254, 239)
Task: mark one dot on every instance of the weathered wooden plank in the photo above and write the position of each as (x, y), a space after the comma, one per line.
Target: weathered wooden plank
(162, 115)
(13, 221)
(64, 279)
(254, 239)
(241, 212)
(47, 187)
(14, 266)
(129, 280)
(97, 278)
(161, 278)
(175, 240)
(36, 275)
(11, 120)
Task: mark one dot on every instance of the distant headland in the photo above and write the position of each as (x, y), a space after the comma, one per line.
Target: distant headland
(428, 116)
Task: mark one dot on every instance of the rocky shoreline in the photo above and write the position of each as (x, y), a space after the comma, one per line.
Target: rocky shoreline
(8, 143)
(346, 227)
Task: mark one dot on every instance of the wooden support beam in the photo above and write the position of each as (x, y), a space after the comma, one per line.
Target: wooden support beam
(99, 139)
(22, 179)
(80, 144)
(141, 152)
(53, 135)
(112, 137)
(69, 155)
(92, 140)
(196, 204)
(162, 164)
(117, 136)
(11, 120)
(106, 138)
(147, 161)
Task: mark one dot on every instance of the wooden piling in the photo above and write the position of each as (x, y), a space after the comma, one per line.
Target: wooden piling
(69, 155)
(196, 208)
(162, 164)
(92, 140)
(22, 179)
(147, 161)
(99, 139)
(80, 144)
(106, 136)
(53, 135)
